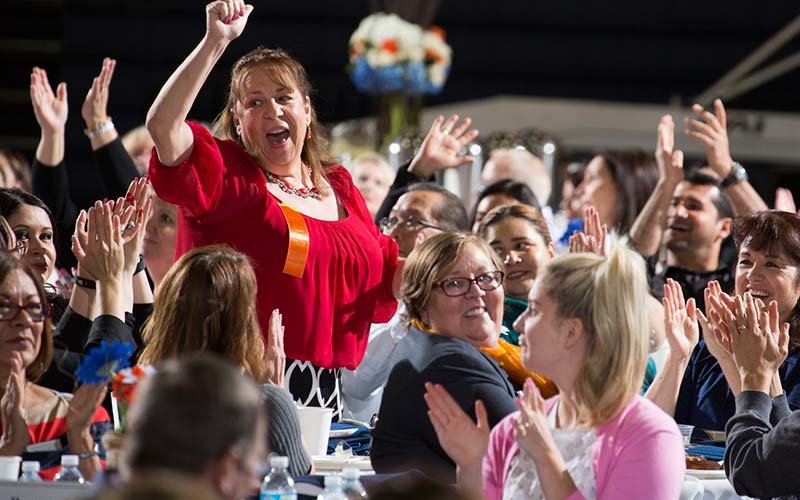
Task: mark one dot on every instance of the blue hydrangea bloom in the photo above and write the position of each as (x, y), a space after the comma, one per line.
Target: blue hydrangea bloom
(102, 362)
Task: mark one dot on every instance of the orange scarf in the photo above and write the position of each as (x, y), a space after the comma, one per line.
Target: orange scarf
(507, 356)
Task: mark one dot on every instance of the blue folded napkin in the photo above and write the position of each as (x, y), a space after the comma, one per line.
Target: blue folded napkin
(711, 452)
(360, 441)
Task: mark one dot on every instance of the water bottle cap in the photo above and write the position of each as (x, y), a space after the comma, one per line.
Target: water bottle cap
(333, 480)
(30, 466)
(69, 460)
(279, 461)
(351, 473)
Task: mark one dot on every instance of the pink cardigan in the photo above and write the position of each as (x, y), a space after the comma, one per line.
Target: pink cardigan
(638, 454)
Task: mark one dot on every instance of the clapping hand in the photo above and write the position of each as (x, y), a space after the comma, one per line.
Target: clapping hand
(532, 430)
(669, 160)
(718, 304)
(85, 401)
(15, 430)
(94, 109)
(274, 354)
(226, 19)
(140, 199)
(463, 441)
(593, 237)
(711, 130)
(760, 342)
(98, 246)
(50, 109)
(680, 321)
(443, 147)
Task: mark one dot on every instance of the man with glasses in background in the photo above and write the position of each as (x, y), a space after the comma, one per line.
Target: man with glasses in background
(424, 210)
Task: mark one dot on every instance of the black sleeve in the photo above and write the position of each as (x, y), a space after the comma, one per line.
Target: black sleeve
(141, 312)
(762, 461)
(109, 328)
(468, 381)
(51, 185)
(402, 180)
(116, 168)
(780, 410)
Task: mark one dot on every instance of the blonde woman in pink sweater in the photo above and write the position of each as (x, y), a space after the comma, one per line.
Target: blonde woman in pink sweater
(586, 329)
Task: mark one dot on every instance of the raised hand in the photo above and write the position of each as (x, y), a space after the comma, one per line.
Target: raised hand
(593, 237)
(711, 130)
(274, 354)
(443, 146)
(669, 160)
(15, 430)
(784, 201)
(226, 19)
(680, 320)
(50, 109)
(94, 109)
(533, 430)
(463, 441)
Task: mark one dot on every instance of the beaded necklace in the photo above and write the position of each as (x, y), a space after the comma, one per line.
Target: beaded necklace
(286, 187)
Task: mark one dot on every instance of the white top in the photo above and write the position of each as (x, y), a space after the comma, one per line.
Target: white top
(575, 447)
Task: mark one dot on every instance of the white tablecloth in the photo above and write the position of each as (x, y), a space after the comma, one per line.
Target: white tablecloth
(707, 489)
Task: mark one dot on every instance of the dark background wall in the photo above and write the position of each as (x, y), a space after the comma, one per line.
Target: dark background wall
(625, 50)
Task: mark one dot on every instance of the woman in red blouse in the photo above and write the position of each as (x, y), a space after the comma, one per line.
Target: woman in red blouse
(268, 187)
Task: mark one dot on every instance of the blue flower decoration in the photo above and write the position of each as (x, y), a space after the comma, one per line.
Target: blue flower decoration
(102, 362)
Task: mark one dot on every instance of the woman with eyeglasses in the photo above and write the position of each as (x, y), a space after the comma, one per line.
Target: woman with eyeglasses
(585, 328)
(268, 186)
(453, 291)
(30, 413)
(82, 325)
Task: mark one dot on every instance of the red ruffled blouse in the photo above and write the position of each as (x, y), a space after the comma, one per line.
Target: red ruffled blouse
(222, 196)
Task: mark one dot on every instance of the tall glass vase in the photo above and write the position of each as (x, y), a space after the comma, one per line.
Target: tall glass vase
(398, 114)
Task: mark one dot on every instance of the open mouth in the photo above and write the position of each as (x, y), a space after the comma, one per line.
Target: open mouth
(278, 136)
(475, 312)
(757, 293)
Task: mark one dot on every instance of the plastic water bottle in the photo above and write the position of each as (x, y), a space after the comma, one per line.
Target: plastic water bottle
(69, 470)
(333, 488)
(351, 485)
(30, 472)
(278, 484)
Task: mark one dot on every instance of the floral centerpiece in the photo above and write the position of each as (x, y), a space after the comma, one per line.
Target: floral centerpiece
(399, 61)
(110, 363)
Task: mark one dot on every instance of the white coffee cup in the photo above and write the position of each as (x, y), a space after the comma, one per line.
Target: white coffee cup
(315, 426)
(9, 468)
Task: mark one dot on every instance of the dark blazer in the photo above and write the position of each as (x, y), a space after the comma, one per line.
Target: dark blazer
(404, 437)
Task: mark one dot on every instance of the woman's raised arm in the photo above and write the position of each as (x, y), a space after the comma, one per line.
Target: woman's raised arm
(225, 21)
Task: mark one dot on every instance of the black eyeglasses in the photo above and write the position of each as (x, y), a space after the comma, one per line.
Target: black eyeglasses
(456, 287)
(36, 312)
(387, 224)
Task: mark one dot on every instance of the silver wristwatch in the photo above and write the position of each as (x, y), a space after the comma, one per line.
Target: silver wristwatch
(738, 174)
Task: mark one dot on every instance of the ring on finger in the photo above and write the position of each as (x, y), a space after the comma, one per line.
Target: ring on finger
(742, 328)
(129, 226)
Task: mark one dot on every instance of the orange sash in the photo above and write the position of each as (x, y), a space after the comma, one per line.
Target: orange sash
(297, 253)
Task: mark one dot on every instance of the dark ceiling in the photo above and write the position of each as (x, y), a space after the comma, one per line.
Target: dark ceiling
(651, 51)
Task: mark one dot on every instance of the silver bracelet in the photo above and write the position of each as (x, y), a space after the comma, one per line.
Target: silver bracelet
(106, 126)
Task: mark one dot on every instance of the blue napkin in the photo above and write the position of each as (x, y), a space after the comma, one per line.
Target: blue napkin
(711, 452)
